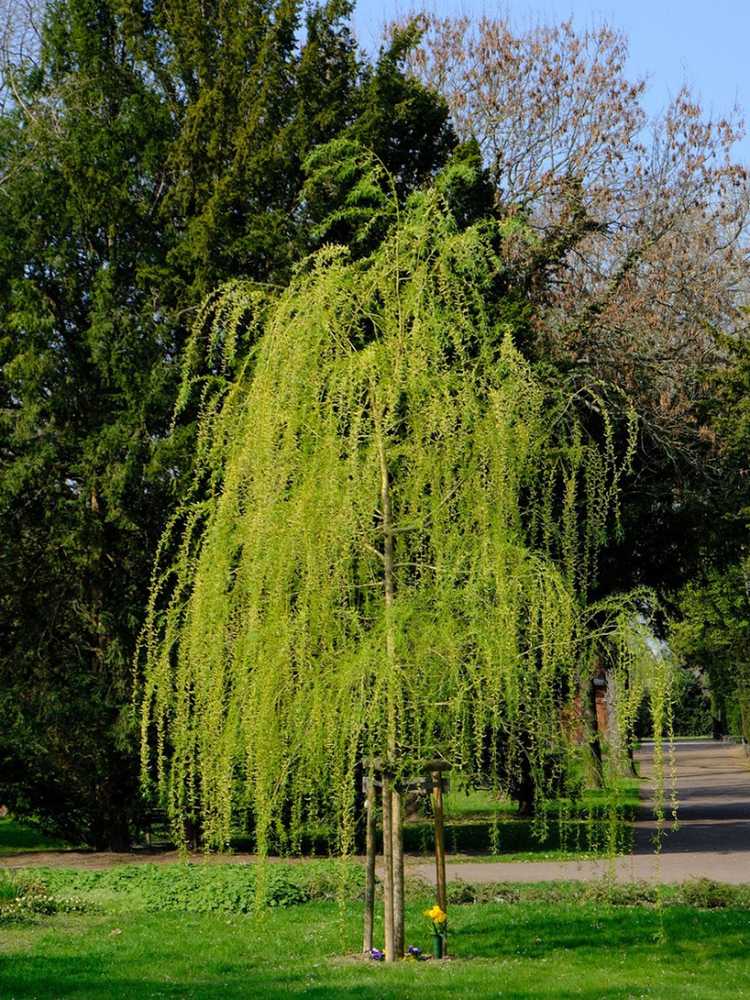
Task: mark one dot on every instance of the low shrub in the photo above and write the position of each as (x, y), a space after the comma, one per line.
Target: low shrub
(709, 895)
(22, 898)
(701, 893)
(206, 888)
(492, 892)
(233, 888)
(620, 894)
(462, 892)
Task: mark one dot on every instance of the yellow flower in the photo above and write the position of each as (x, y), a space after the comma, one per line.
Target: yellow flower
(436, 915)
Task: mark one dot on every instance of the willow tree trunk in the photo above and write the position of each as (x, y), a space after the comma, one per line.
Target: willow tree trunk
(398, 873)
(394, 822)
(595, 739)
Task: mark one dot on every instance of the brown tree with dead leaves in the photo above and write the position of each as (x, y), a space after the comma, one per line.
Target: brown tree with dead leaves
(632, 231)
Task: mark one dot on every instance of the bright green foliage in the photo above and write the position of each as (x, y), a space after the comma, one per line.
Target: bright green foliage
(352, 197)
(206, 888)
(395, 556)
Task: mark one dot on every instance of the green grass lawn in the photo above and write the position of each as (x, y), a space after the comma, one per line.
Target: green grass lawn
(474, 803)
(16, 838)
(519, 950)
(480, 826)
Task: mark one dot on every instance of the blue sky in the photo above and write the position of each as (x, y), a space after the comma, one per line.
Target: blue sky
(705, 43)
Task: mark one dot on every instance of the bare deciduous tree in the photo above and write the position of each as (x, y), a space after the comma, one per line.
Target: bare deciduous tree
(645, 221)
(20, 35)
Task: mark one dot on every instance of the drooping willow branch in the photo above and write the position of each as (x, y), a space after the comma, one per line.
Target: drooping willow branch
(392, 552)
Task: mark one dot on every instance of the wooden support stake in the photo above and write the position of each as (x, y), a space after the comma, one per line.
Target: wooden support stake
(370, 867)
(398, 875)
(437, 792)
(388, 863)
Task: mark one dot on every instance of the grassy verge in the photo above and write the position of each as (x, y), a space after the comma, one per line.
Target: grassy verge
(473, 803)
(15, 838)
(554, 945)
(484, 827)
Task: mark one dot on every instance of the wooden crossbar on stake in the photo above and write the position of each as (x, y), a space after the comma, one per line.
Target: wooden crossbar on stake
(423, 786)
(391, 792)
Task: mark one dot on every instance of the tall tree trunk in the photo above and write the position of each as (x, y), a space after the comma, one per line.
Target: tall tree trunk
(395, 820)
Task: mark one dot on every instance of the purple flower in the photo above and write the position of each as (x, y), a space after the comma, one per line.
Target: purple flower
(377, 955)
(413, 950)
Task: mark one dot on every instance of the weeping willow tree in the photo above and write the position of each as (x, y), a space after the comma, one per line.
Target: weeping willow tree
(389, 548)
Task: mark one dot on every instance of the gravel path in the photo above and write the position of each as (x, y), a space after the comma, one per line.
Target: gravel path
(100, 860)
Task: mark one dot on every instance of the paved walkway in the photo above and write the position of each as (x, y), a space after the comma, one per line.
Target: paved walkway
(712, 781)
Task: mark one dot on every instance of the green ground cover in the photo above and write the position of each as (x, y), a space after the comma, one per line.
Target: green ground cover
(553, 942)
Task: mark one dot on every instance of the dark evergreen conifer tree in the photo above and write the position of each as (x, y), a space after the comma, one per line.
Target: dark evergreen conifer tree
(153, 152)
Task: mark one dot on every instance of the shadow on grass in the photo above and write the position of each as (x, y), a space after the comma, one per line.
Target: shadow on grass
(69, 978)
(518, 836)
(16, 837)
(520, 952)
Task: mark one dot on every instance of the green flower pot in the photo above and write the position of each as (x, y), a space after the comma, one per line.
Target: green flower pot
(438, 946)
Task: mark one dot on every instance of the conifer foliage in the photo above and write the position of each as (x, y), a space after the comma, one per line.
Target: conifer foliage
(148, 151)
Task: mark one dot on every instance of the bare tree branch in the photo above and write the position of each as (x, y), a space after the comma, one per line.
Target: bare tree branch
(641, 225)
